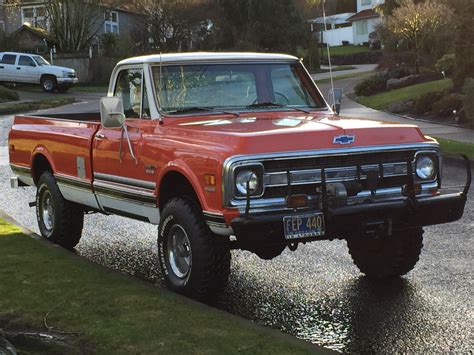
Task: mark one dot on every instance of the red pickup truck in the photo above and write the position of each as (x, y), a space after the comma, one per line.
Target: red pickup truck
(233, 151)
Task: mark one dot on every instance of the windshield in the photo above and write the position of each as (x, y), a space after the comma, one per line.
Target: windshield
(40, 60)
(194, 88)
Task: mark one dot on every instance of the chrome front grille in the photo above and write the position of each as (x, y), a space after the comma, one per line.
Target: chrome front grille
(302, 173)
(391, 167)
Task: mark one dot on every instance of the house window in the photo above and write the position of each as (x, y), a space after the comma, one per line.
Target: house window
(35, 16)
(366, 2)
(111, 23)
(362, 28)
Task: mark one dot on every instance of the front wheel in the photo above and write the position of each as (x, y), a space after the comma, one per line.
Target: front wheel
(383, 257)
(59, 220)
(48, 83)
(194, 261)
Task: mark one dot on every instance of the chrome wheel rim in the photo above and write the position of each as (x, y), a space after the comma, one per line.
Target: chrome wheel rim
(48, 84)
(47, 210)
(179, 251)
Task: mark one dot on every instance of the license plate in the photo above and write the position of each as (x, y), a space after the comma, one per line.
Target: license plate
(303, 226)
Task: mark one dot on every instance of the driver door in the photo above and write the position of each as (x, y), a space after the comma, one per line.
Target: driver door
(122, 182)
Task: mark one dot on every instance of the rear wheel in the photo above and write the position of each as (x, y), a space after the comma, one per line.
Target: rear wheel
(383, 257)
(59, 220)
(195, 262)
(48, 83)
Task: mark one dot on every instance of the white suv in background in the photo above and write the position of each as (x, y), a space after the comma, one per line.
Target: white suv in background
(34, 69)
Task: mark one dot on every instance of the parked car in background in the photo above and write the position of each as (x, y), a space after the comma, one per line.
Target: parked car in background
(34, 69)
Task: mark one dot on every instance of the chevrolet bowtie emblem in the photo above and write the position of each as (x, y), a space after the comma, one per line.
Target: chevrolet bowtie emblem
(344, 139)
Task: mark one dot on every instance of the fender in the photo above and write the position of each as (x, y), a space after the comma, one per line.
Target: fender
(41, 149)
(181, 167)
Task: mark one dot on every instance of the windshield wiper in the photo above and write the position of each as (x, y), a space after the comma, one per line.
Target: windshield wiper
(275, 104)
(201, 109)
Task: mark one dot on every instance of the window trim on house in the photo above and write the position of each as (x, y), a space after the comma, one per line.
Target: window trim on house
(109, 22)
(38, 18)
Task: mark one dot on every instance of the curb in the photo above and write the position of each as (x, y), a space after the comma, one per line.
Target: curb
(317, 349)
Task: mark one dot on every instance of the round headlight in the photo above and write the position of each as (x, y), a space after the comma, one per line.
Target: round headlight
(425, 168)
(241, 180)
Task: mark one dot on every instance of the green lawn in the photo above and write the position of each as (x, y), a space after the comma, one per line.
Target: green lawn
(345, 50)
(456, 147)
(383, 100)
(110, 312)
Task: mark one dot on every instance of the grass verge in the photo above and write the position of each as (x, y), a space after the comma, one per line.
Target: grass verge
(346, 50)
(113, 313)
(383, 100)
(456, 147)
(10, 108)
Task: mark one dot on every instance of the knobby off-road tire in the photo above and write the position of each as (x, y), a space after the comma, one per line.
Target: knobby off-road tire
(59, 221)
(194, 261)
(387, 256)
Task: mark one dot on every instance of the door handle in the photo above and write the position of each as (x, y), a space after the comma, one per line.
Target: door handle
(2, 67)
(100, 136)
(18, 68)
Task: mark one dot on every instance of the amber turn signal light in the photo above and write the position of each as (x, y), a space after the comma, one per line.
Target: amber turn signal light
(210, 180)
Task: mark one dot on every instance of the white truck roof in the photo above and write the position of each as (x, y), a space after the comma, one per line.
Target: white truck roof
(208, 56)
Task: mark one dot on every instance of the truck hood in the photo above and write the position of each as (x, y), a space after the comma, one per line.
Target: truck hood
(282, 131)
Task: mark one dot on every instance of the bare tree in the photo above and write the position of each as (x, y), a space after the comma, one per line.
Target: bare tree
(74, 23)
(416, 23)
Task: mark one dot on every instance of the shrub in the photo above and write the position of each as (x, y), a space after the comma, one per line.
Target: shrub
(8, 95)
(424, 103)
(398, 72)
(446, 64)
(447, 104)
(372, 85)
(468, 100)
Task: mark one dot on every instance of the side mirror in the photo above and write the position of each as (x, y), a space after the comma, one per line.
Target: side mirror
(335, 99)
(111, 112)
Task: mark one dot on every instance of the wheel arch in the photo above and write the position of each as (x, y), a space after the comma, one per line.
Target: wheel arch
(40, 164)
(177, 183)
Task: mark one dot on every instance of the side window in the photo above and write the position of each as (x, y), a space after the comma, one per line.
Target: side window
(146, 104)
(26, 61)
(9, 59)
(129, 88)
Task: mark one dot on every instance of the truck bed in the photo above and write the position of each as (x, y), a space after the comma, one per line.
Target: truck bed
(64, 140)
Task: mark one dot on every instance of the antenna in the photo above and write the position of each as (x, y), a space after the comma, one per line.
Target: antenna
(329, 56)
(159, 89)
